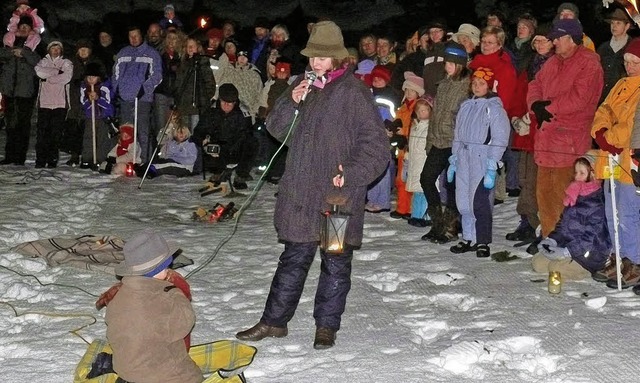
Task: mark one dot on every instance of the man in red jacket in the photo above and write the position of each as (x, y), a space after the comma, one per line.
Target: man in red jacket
(563, 96)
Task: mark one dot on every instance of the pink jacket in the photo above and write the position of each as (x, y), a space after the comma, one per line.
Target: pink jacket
(573, 86)
(55, 75)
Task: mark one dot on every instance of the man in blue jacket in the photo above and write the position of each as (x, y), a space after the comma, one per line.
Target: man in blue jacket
(136, 73)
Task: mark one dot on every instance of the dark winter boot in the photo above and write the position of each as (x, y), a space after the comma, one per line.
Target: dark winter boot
(435, 212)
(451, 224)
(524, 232)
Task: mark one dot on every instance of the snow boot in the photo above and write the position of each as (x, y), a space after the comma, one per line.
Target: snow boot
(523, 233)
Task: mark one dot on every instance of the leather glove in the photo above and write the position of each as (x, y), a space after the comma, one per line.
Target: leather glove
(451, 171)
(489, 181)
(107, 296)
(604, 145)
(539, 108)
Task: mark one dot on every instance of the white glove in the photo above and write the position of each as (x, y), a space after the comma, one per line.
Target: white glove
(605, 3)
(550, 250)
(521, 125)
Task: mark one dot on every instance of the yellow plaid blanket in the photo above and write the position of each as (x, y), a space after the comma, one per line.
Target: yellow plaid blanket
(222, 361)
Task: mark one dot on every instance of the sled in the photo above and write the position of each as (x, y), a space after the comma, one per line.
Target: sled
(224, 361)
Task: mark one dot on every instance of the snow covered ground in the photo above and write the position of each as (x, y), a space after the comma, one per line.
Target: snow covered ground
(416, 312)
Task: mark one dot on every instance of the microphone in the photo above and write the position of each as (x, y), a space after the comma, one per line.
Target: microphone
(310, 76)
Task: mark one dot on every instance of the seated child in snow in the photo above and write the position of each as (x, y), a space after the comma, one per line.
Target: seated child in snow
(580, 244)
(480, 138)
(414, 159)
(94, 91)
(176, 158)
(149, 315)
(122, 153)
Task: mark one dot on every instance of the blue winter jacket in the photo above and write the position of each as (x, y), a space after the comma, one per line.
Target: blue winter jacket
(583, 230)
(137, 72)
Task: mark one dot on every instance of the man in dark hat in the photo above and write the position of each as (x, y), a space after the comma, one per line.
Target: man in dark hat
(612, 52)
(563, 96)
(18, 87)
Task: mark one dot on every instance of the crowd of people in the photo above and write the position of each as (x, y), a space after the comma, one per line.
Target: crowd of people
(471, 115)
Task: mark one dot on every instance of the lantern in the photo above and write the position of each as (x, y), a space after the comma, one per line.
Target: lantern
(555, 282)
(332, 230)
(129, 170)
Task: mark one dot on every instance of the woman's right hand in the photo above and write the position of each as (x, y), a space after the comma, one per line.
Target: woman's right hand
(299, 91)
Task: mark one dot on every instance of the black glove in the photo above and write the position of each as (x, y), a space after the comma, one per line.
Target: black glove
(394, 125)
(539, 108)
(636, 177)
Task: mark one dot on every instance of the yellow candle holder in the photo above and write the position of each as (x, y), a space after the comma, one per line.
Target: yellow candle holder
(555, 282)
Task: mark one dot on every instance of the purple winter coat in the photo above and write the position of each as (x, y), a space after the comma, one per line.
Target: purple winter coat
(583, 228)
(137, 72)
(338, 124)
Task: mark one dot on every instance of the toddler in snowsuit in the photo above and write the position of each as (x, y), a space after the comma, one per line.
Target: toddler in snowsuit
(580, 243)
(480, 138)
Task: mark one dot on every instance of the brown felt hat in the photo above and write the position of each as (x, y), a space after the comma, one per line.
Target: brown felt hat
(325, 41)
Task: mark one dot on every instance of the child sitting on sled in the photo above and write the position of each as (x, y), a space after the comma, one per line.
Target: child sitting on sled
(122, 154)
(149, 316)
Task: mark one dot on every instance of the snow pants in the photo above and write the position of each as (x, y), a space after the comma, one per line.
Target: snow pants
(288, 282)
(628, 206)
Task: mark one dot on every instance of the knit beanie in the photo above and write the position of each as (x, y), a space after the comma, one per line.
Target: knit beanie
(456, 54)
(228, 92)
(571, 7)
(53, 44)
(382, 72)
(633, 47)
(414, 82)
(486, 74)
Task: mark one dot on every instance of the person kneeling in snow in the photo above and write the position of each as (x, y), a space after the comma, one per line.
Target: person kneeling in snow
(149, 317)
(580, 244)
(176, 159)
(121, 154)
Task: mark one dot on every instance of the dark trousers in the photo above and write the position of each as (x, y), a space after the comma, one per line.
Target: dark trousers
(483, 212)
(18, 120)
(437, 161)
(288, 282)
(50, 125)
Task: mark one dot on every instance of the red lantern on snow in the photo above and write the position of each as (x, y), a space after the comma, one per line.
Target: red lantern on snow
(129, 170)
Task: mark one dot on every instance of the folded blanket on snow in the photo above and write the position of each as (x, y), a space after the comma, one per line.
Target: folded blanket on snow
(89, 252)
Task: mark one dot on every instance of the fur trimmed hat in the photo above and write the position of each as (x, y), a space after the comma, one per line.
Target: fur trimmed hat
(413, 82)
(325, 41)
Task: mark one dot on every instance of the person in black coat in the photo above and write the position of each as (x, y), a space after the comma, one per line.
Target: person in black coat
(225, 135)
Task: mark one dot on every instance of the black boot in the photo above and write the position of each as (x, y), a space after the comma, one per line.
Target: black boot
(524, 232)
(435, 212)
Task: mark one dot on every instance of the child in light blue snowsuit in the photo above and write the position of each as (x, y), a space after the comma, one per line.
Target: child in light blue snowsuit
(480, 138)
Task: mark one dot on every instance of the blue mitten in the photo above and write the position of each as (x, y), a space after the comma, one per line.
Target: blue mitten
(491, 174)
(451, 171)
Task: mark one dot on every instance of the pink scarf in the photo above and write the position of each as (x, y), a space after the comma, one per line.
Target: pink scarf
(579, 188)
(330, 76)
